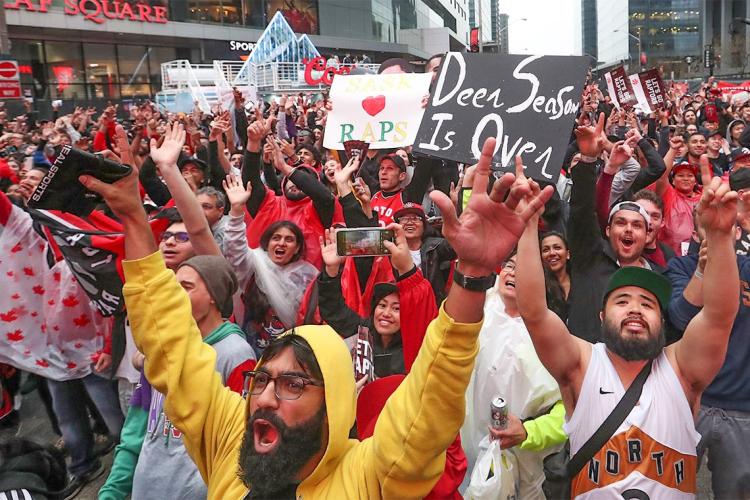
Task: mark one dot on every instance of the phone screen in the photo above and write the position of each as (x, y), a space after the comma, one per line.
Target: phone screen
(362, 242)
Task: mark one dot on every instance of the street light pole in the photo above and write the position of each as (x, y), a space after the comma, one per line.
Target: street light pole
(640, 49)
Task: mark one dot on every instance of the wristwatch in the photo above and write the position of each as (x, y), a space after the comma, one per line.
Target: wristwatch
(473, 283)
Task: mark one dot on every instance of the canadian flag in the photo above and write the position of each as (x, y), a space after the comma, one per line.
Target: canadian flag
(41, 326)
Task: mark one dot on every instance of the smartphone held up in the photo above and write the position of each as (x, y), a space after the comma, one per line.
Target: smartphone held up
(363, 242)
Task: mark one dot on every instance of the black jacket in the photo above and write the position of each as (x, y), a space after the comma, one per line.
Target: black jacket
(437, 256)
(592, 260)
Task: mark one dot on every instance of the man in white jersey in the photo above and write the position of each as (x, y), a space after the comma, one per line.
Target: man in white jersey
(653, 453)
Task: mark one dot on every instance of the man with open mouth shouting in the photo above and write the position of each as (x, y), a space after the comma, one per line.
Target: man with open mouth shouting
(290, 439)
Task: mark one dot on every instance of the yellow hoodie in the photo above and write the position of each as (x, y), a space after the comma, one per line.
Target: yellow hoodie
(403, 459)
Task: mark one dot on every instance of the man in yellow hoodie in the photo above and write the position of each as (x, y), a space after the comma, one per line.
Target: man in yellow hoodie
(290, 439)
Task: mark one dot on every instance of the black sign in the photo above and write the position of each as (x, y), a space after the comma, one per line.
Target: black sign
(528, 103)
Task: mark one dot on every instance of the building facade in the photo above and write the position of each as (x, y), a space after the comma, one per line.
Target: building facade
(92, 51)
(677, 35)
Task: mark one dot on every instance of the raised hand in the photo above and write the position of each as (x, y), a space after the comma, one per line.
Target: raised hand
(287, 148)
(257, 130)
(401, 258)
(331, 258)
(717, 209)
(166, 155)
(237, 194)
(342, 175)
(362, 191)
(277, 158)
(621, 152)
(122, 196)
(589, 139)
(633, 136)
(497, 224)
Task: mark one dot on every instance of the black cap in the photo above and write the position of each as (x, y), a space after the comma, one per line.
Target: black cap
(395, 159)
(739, 179)
(739, 153)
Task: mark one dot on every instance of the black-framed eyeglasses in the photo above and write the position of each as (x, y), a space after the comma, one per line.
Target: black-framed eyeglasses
(287, 387)
(179, 236)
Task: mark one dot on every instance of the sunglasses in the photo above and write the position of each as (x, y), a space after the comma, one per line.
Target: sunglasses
(179, 236)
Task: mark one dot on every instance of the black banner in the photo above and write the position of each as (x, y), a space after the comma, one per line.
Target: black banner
(528, 103)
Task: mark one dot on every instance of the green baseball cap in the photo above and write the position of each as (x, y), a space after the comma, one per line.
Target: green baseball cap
(642, 278)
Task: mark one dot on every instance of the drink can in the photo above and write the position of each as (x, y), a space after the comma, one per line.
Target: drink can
(498, 413)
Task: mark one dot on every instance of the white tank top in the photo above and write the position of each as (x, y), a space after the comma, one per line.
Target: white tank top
(653, 453)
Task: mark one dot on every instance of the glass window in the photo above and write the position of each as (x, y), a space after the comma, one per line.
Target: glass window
(64, 66)
(254, 13)
(75, 92)
(205, 11)
(132, 61)
(30, 57)
(136, 90)
(101, 63)
(157, 56)
(233, 11)
(134, 69)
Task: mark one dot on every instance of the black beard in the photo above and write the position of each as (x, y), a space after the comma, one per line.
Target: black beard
(296, 196)
(633, 349)
(270, 473)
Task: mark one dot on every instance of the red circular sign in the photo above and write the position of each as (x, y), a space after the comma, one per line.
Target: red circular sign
(8, 69)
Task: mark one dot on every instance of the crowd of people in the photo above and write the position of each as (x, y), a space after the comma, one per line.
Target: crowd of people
(230, 370)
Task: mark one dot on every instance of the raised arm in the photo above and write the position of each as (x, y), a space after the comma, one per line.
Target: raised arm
(559, 351)
(654, 168)
(178, 363)
(333, 308)
(701, 351)
(675, 144)
(187, 204)
(583, 229)
(434, 389)
(256, 132)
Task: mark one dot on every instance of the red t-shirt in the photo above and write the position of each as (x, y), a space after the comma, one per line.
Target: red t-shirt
(386, 206)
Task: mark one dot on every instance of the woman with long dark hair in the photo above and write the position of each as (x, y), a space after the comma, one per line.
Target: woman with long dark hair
(274, 276)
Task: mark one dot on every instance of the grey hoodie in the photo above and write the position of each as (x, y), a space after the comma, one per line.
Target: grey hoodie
(165, 470)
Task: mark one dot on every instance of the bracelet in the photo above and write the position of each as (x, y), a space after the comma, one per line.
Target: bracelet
(698, 274)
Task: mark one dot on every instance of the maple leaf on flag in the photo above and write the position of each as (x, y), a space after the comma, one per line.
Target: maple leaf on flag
(9, 316)
(81, 320)
(28, 271)
(15, 296)
(71, 365)
(56, 276)
(16, 248)
(15, 336)
(39, 290)
(70, 301)
(42, 362)
(10, 274)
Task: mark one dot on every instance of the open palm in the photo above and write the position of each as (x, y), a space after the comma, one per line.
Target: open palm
(169, 151)
(489, 227)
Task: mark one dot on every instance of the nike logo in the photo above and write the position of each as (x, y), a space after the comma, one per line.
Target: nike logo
(602, 391)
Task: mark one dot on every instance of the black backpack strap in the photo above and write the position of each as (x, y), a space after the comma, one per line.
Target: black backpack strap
(610, 424)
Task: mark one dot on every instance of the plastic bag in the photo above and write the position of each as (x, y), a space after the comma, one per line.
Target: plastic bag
(495, 475)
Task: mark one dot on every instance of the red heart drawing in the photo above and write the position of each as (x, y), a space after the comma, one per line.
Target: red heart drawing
(373, 104)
